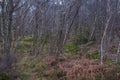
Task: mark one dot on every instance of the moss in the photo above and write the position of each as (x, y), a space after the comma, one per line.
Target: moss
(109, 76)
(4, 76)
(83, 78)
(25, 44)
(61, 74)
(115, 49)
(98, 77)
(117, 68)
(55, 75)
(90, 43)
(94, 55)
(32, 64)
(24, 75)
(28, 39)
(28, 66)
(37, 79)
(71, 48)
(109, 62)
(23, 48)
(81, 39)
(45, 38)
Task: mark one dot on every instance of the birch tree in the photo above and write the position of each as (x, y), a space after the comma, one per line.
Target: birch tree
(103, 40)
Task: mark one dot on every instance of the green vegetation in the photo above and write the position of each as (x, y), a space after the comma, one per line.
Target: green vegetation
(4, 76)
(83, 78)
(117, 68)
(35, 64)
(75, 45)
(59, 40)
(26, 44)
(81, 39)
(35, 68)
(94, 55)
(45, 38)
(24, 75)
(71, 48)
(110, 76)
(98, 77)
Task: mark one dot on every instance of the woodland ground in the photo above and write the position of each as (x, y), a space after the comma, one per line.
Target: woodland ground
(82, 65)
(79, 66)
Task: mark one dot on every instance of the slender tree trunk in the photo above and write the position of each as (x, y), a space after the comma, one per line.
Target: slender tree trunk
(93, 29)
(118, 53)
(103, 40)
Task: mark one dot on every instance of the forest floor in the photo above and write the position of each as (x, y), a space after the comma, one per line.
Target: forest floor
(83, 65)
(80, 66)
